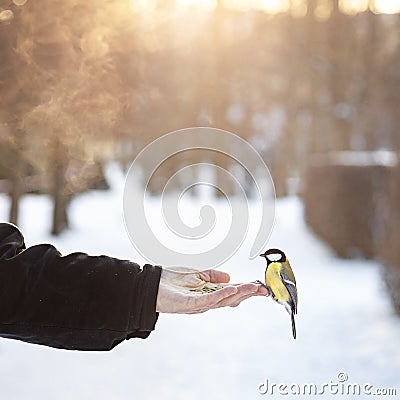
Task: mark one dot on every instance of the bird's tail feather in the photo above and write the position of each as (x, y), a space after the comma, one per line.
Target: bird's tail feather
(293, 325)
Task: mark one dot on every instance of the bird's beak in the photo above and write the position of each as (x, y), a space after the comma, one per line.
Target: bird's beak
(262, 255)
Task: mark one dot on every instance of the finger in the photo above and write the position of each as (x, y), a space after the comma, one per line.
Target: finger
(214, 276)
(245, 291)
(235, 304)
(261, 290)
(247, 288)
(206, 301)
(232, 301)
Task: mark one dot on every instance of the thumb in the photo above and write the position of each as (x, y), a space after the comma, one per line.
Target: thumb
(214, 276)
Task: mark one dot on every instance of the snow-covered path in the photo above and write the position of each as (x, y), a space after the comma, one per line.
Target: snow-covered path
(345, 323)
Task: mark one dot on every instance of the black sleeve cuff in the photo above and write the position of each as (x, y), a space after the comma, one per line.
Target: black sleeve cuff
(143, 315)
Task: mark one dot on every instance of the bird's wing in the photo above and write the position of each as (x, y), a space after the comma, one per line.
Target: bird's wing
(291, 287)
(289, 272)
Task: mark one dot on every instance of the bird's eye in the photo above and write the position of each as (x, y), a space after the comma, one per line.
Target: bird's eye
(274, 257)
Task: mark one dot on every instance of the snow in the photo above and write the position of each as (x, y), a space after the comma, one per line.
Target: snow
(345, 322)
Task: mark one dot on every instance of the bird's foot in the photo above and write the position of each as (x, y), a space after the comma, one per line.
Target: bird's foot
(263, 285)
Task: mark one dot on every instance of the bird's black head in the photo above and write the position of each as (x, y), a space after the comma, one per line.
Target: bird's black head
(273, 255)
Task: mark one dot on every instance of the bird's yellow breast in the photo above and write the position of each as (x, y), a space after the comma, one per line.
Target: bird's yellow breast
(274, 281)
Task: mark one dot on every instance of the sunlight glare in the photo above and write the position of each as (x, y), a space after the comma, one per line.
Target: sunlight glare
(6, 15)
(141, 6)
(298, 7)
(387, 6)
(19, 2)
(353, 6)
(206, 5)
(323, 10)
(274, 6)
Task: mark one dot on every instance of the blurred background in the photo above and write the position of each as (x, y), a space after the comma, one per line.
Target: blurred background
(313, 85)
(85, 82)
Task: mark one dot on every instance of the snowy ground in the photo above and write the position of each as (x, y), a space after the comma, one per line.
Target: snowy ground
(345, 323)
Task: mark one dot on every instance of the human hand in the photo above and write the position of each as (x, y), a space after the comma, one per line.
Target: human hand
(190, 291)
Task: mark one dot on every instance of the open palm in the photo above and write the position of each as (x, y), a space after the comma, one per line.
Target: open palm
(188, 291)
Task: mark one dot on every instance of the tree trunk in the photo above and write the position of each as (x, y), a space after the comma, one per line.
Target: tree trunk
(16, 176)
(15, 195)
(60, 198)
(339, 36)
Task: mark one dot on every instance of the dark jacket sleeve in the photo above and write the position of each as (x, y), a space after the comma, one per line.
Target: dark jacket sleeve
(74, 302)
